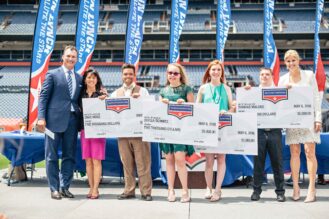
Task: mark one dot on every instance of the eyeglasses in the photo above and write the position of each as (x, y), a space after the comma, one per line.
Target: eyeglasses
(173, 73)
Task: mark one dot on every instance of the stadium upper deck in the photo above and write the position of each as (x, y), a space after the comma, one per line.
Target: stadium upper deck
(293, 22)
(201, 18)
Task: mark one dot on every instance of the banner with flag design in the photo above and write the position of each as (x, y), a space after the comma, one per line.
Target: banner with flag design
(86, 33)
(43, 45)
(318, 65)
(177, 20)
(223, 20)
(134, 33)
(271, 57)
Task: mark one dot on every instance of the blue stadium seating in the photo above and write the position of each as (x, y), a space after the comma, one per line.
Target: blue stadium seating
(326, 69)
(68, 21)
(246, 21)
(20, 22)
(111, 76)
(15, 76)
(196, 22)
(158, 71)
(13, 105)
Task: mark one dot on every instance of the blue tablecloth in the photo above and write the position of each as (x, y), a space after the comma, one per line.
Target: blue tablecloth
(322, 155)
(29, 148)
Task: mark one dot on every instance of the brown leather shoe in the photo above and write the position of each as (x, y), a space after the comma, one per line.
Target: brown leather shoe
(125, 196)
(56, 195)
(146, 197)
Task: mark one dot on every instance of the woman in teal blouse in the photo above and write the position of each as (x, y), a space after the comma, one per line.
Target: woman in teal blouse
(215, 90)
(178, 91)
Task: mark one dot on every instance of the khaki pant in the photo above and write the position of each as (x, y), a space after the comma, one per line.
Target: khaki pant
(136, 153)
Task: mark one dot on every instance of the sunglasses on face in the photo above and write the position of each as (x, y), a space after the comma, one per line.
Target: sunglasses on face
(173, 73)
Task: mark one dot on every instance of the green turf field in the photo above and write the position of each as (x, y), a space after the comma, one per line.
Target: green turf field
(4, 163)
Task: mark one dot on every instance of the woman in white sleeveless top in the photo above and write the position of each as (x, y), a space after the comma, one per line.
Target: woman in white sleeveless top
(309, 136)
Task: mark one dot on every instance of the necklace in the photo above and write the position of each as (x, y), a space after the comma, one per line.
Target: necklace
(213, 94)
(295, 80)
(175, 86)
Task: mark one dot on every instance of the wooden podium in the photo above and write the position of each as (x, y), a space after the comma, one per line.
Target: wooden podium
(195, 180)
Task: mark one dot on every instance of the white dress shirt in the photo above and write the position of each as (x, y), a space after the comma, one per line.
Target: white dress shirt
(128, 90)
(74, 83)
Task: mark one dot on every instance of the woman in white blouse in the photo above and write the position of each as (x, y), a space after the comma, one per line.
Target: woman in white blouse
(294, 137)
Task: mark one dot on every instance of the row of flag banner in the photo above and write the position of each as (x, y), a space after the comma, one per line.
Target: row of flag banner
(86, 37)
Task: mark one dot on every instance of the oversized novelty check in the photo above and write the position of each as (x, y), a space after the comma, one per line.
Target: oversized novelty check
(188, 123)
(237, 135)
(113, 117)
(278, 107)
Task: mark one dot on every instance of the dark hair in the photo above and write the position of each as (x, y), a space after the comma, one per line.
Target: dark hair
(126, 65)
(91, 71)
(267, 69)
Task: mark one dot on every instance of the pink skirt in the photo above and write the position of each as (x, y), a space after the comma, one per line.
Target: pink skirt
(92, 147)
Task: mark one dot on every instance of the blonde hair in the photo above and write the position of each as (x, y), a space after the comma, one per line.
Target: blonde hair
(293, 53)
(206, 76)
(182, 72)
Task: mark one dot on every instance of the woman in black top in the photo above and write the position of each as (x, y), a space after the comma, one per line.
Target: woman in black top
(93, 149)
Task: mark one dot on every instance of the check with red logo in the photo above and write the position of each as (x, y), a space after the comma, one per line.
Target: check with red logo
(113, 117)
(278, 107)
(188, 123)
(237, 134)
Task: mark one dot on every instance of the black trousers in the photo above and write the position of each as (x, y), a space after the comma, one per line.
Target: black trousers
(269, 141)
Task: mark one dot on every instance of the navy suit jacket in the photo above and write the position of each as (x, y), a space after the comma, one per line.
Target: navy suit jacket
(55, 100)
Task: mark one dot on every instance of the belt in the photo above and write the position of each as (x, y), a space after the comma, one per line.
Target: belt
(268, 130)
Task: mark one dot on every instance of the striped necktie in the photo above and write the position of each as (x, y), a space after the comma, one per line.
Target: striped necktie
(69, 83)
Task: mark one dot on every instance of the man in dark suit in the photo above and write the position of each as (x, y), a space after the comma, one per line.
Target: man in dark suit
(58, 111)
(269, 141)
